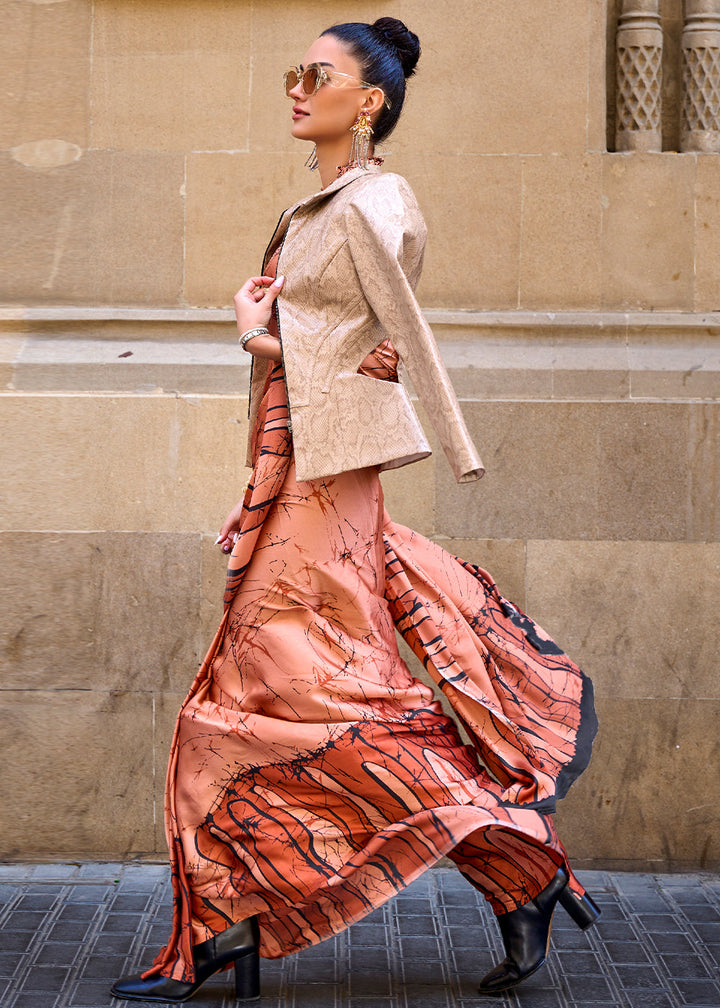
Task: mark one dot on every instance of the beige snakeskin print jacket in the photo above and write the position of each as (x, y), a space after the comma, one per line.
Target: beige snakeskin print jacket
(352, 255)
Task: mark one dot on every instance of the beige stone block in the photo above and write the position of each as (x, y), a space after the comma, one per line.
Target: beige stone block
(44, 73)
(143, 462)
(164, 79)
(409, 494)
(202, 26)
(561, 225)
(576, 470)
(210, 473)
(234, 202)
(472, 206)
(647, 802)
(600, 39)
(104, 229)
(707, 234)
(104, 610)
(704, 453)
(214, 570)
(10, 348)
(171, 102)
(643, 452)
(77, 776)
(648, 231)
(167, 706)
(536, 58)
(542, 473)
(102, 460)
(639, 617)
(278, 33)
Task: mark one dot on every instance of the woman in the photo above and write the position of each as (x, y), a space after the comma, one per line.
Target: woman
(311, 777)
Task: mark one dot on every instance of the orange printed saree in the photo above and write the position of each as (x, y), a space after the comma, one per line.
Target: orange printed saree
(311, 775)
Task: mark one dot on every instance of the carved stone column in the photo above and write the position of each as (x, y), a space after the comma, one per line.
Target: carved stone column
(639, 77)
(700, 116)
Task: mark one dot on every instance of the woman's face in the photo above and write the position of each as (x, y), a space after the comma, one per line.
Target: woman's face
(328, 115)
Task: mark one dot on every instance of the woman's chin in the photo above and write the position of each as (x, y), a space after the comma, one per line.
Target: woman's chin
(300, 130)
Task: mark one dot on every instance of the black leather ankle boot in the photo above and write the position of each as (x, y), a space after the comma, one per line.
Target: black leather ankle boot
(238, 945)
(526, 937)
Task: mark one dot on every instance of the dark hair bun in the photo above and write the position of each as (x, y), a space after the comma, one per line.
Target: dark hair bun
(403, 41)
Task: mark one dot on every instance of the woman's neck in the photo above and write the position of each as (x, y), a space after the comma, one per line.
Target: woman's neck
(331, 156)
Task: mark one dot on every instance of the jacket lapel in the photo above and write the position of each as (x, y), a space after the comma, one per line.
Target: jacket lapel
(312, 200)
(335, 185)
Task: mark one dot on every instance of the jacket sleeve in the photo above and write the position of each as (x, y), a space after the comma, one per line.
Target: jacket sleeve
(386, 236)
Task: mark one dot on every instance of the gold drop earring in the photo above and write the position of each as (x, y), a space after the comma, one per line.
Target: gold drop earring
(362, 132)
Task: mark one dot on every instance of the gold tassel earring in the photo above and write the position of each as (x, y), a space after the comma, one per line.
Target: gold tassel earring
(362, 132)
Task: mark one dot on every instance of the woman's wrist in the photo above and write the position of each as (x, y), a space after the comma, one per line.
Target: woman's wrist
(263, 345)
(249, 334)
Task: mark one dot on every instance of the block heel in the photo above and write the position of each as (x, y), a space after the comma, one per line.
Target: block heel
(247, 976)
(237, 946)
(583, 910)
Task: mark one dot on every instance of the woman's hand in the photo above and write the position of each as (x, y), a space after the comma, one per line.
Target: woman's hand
(254, 301)
(231, 527)
(253, 307)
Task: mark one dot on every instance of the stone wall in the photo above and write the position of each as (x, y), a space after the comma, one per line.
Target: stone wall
(575, 295)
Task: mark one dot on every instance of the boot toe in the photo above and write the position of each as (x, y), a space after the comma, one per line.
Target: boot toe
(154, 988)
(499, 978)
(504, 976)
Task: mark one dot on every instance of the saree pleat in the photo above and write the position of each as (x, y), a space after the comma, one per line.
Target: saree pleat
(311, 776)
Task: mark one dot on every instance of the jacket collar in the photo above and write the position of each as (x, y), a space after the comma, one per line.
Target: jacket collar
(313, 199)
(339, 183)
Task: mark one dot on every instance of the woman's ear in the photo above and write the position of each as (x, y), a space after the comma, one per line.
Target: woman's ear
(374, 99)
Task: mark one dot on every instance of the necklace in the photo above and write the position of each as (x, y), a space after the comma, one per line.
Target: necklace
(354, 164)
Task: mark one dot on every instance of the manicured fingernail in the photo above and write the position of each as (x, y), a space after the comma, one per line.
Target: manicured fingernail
(279, 281)
(218, 540)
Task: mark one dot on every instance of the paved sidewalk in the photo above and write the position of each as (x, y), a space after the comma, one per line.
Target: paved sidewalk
(68, 930)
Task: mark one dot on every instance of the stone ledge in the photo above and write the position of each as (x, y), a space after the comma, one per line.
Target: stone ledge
(489, 355)
(109, 313)
(11, 314)
(73, 365)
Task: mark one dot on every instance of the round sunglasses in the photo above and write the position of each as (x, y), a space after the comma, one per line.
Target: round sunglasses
(314, 75)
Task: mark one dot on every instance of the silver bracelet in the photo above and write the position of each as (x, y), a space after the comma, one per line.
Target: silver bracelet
(247, 336)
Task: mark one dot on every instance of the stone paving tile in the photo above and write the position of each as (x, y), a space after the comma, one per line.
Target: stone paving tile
(67, 931)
